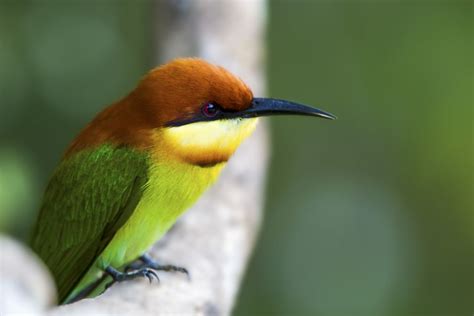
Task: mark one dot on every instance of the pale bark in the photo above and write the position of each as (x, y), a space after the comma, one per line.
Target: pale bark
(213, 239)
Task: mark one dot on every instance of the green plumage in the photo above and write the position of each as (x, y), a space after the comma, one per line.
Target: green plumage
(89, 197)
(106, 206)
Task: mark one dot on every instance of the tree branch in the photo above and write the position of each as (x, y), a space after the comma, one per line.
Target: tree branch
(215, 238)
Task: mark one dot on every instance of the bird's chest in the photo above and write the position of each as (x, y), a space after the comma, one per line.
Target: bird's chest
(172, 187)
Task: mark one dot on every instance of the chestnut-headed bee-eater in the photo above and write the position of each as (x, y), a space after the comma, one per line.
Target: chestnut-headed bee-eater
(137, 166)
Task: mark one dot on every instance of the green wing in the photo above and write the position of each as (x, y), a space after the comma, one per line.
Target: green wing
(89, 197)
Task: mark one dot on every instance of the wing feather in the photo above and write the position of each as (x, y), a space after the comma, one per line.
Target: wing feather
(89, 197)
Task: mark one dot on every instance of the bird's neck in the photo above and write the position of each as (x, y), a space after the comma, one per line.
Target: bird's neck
(204, 144)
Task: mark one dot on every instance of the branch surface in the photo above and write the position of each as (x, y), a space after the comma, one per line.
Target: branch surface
(214, 238)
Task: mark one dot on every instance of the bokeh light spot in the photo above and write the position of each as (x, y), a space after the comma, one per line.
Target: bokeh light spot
(18, 190)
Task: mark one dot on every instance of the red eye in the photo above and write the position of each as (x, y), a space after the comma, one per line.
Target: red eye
(209, 109)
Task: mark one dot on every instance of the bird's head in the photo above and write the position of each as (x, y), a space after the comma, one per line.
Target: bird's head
(200, 111)
(206, 111)
(191, 90)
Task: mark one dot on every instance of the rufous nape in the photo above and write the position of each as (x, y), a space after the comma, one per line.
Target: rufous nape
(137, 166)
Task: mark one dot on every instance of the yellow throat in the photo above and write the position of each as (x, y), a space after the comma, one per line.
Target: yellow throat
(208, 143)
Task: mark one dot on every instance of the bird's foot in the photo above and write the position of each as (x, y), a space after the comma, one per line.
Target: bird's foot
(118, 276)
(146, 261)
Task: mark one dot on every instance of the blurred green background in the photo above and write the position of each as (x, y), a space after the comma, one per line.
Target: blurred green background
(369, 215)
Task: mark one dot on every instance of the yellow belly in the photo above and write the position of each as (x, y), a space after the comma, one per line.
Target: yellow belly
(171, 189)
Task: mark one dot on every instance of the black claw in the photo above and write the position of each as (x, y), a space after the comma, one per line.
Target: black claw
(150, 278)
(150, 274)
(145, 266)
(148, 262)
(118, 276)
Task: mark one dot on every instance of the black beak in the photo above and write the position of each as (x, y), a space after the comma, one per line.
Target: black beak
(267, 106)
(259, 107)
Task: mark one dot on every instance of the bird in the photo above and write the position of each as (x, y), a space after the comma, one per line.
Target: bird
(132, 171)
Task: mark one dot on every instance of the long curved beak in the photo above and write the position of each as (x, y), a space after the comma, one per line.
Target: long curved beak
(268, 106)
